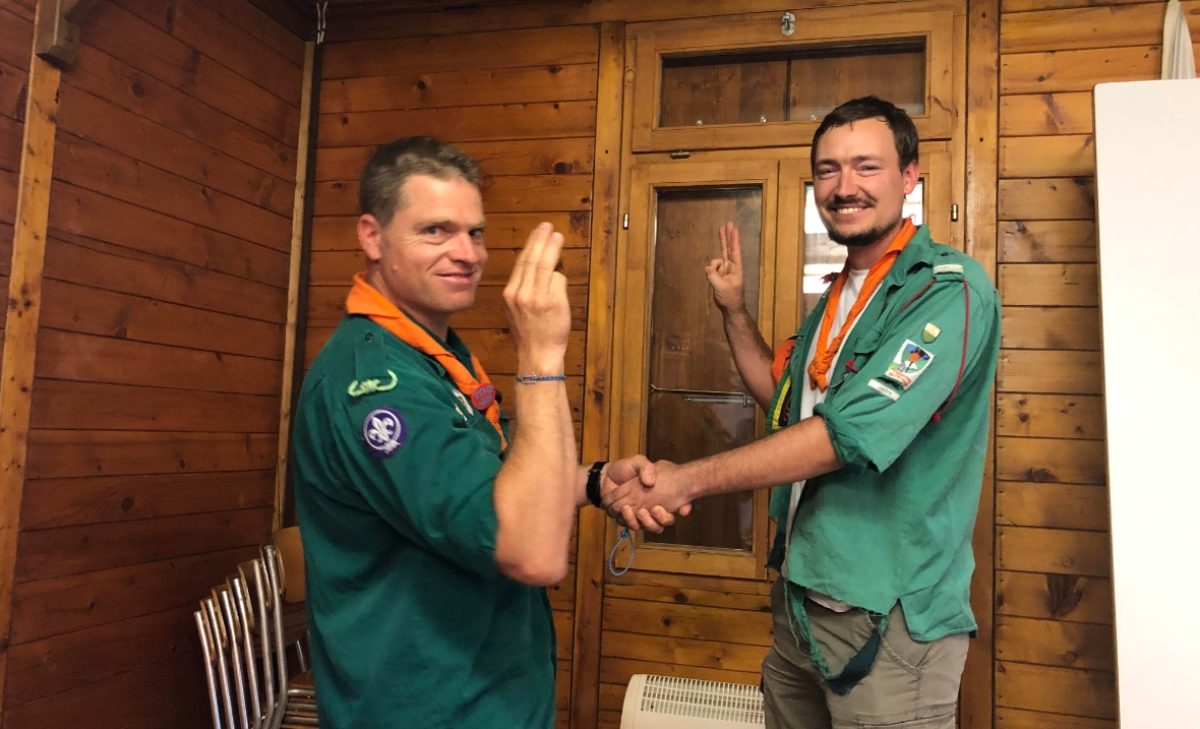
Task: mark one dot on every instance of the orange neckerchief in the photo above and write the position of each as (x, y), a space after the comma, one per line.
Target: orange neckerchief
(364, 299)
(818, 369)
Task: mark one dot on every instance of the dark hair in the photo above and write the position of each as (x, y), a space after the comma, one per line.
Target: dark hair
(904, 132)
(380, 190)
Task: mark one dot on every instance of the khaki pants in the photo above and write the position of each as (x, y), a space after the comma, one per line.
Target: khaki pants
(911, 685)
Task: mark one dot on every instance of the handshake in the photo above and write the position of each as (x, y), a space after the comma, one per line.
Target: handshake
(645, 495)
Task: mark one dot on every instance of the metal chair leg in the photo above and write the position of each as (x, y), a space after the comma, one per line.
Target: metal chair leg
(207, 649)
(221, 641)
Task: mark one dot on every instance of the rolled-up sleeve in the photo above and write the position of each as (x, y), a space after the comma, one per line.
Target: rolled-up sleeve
(877, 412)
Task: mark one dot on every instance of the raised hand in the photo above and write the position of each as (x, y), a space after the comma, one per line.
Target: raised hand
(536, 304)
(725, 274)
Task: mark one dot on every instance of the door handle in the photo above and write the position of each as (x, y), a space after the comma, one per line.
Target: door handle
(714, 396)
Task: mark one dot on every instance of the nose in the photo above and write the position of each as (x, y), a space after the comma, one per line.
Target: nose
(847, 185)
(466, 249)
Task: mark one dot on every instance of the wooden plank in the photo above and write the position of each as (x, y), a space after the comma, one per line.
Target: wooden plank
(17, 362)
(1061, 551)
(1022, 719)
(1016, 6)
(689, 596)
(981, 174)
(70, 307)
(160, 279)
(1051, 371)
(1050, 416)
(1048, 156)
(1048, 199)
(74, 453)
(683, 651)
(297, 282)
(62, 551)
(473, 123)
(286, 39)
(81, 212)
(548, 13)
(483, 49)
(16, 36)
(1055, 643)
(228, 43)
(12, 87)
(119, 701)
(1106, 26)
(60, 404)
(1045, 459)
(1052, 505)
(1059, 690)
(594, 440)
(1047, 72)
(448, 89)
(55, 665)
(89, 166)
(1048, 241)
(52, 607)
(571, 155)
(1064, 113)
(98, 120)
(687, 621)
(10, 144)
(160, 101)
(144, 44)
(1054, 596)
(87, 358)
(59, 502)
(508, 194)
(504, 230)
(1050, 327)
(1049, 284)
(620, 670)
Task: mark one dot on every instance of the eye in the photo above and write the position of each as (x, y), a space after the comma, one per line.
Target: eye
(434, 231)
(477, 235)
(868, 168)
(826, 173)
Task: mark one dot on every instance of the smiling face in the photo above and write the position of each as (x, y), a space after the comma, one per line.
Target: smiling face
(429, 258)
(858, 183)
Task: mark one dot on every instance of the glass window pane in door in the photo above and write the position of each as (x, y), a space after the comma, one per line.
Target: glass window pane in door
(697, 405)
(823, 258)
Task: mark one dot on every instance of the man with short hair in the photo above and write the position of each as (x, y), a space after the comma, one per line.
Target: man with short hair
(877, 415)
(429, 534)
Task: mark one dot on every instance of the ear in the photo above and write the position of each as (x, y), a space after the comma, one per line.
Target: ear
(911, 175)
(370, 237)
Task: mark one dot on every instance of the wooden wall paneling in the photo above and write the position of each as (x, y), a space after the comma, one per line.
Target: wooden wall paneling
(1050, 71)
(17, 363)
(297, 283)
(447, 89)
(1047, 156)
(1103, 26)
(1050, 416)
(1054, 643)
(1022, 719)
(1068, 112)
(1057, 198)
(610, 82)
(1053, 505)
(1044, 241)
(1057, 596)
(981, 162)
(1066, 372)
(508, 157)
(1050, 327)
(548, 13)
(1085, 693)
(1062, 551)
(476, 123)
(1059, 460)
(487, 50)
(77, 453)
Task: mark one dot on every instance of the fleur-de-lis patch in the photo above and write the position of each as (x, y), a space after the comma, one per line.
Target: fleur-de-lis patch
(384, 431)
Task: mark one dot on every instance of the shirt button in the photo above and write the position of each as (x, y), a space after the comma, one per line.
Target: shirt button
(368, 336)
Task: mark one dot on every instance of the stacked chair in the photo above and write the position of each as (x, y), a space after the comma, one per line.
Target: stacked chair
(251, 631)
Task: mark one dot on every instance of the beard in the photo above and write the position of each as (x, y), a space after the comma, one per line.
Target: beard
(854, 240)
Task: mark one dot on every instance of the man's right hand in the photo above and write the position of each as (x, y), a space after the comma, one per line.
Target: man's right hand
(536, 304)
(725, 274)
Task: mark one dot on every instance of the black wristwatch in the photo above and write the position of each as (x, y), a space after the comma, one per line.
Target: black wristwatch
(593, 483)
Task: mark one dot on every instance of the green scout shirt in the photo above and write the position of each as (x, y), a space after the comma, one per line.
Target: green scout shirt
(411, 624)
(895, 522)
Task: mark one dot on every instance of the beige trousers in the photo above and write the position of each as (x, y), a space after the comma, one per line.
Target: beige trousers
(912, 685)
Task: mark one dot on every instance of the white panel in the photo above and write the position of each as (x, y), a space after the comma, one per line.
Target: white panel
(1148, 196)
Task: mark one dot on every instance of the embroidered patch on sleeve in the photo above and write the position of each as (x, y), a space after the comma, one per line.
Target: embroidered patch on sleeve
(883, 389)
(908, 364)
(384, 431)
